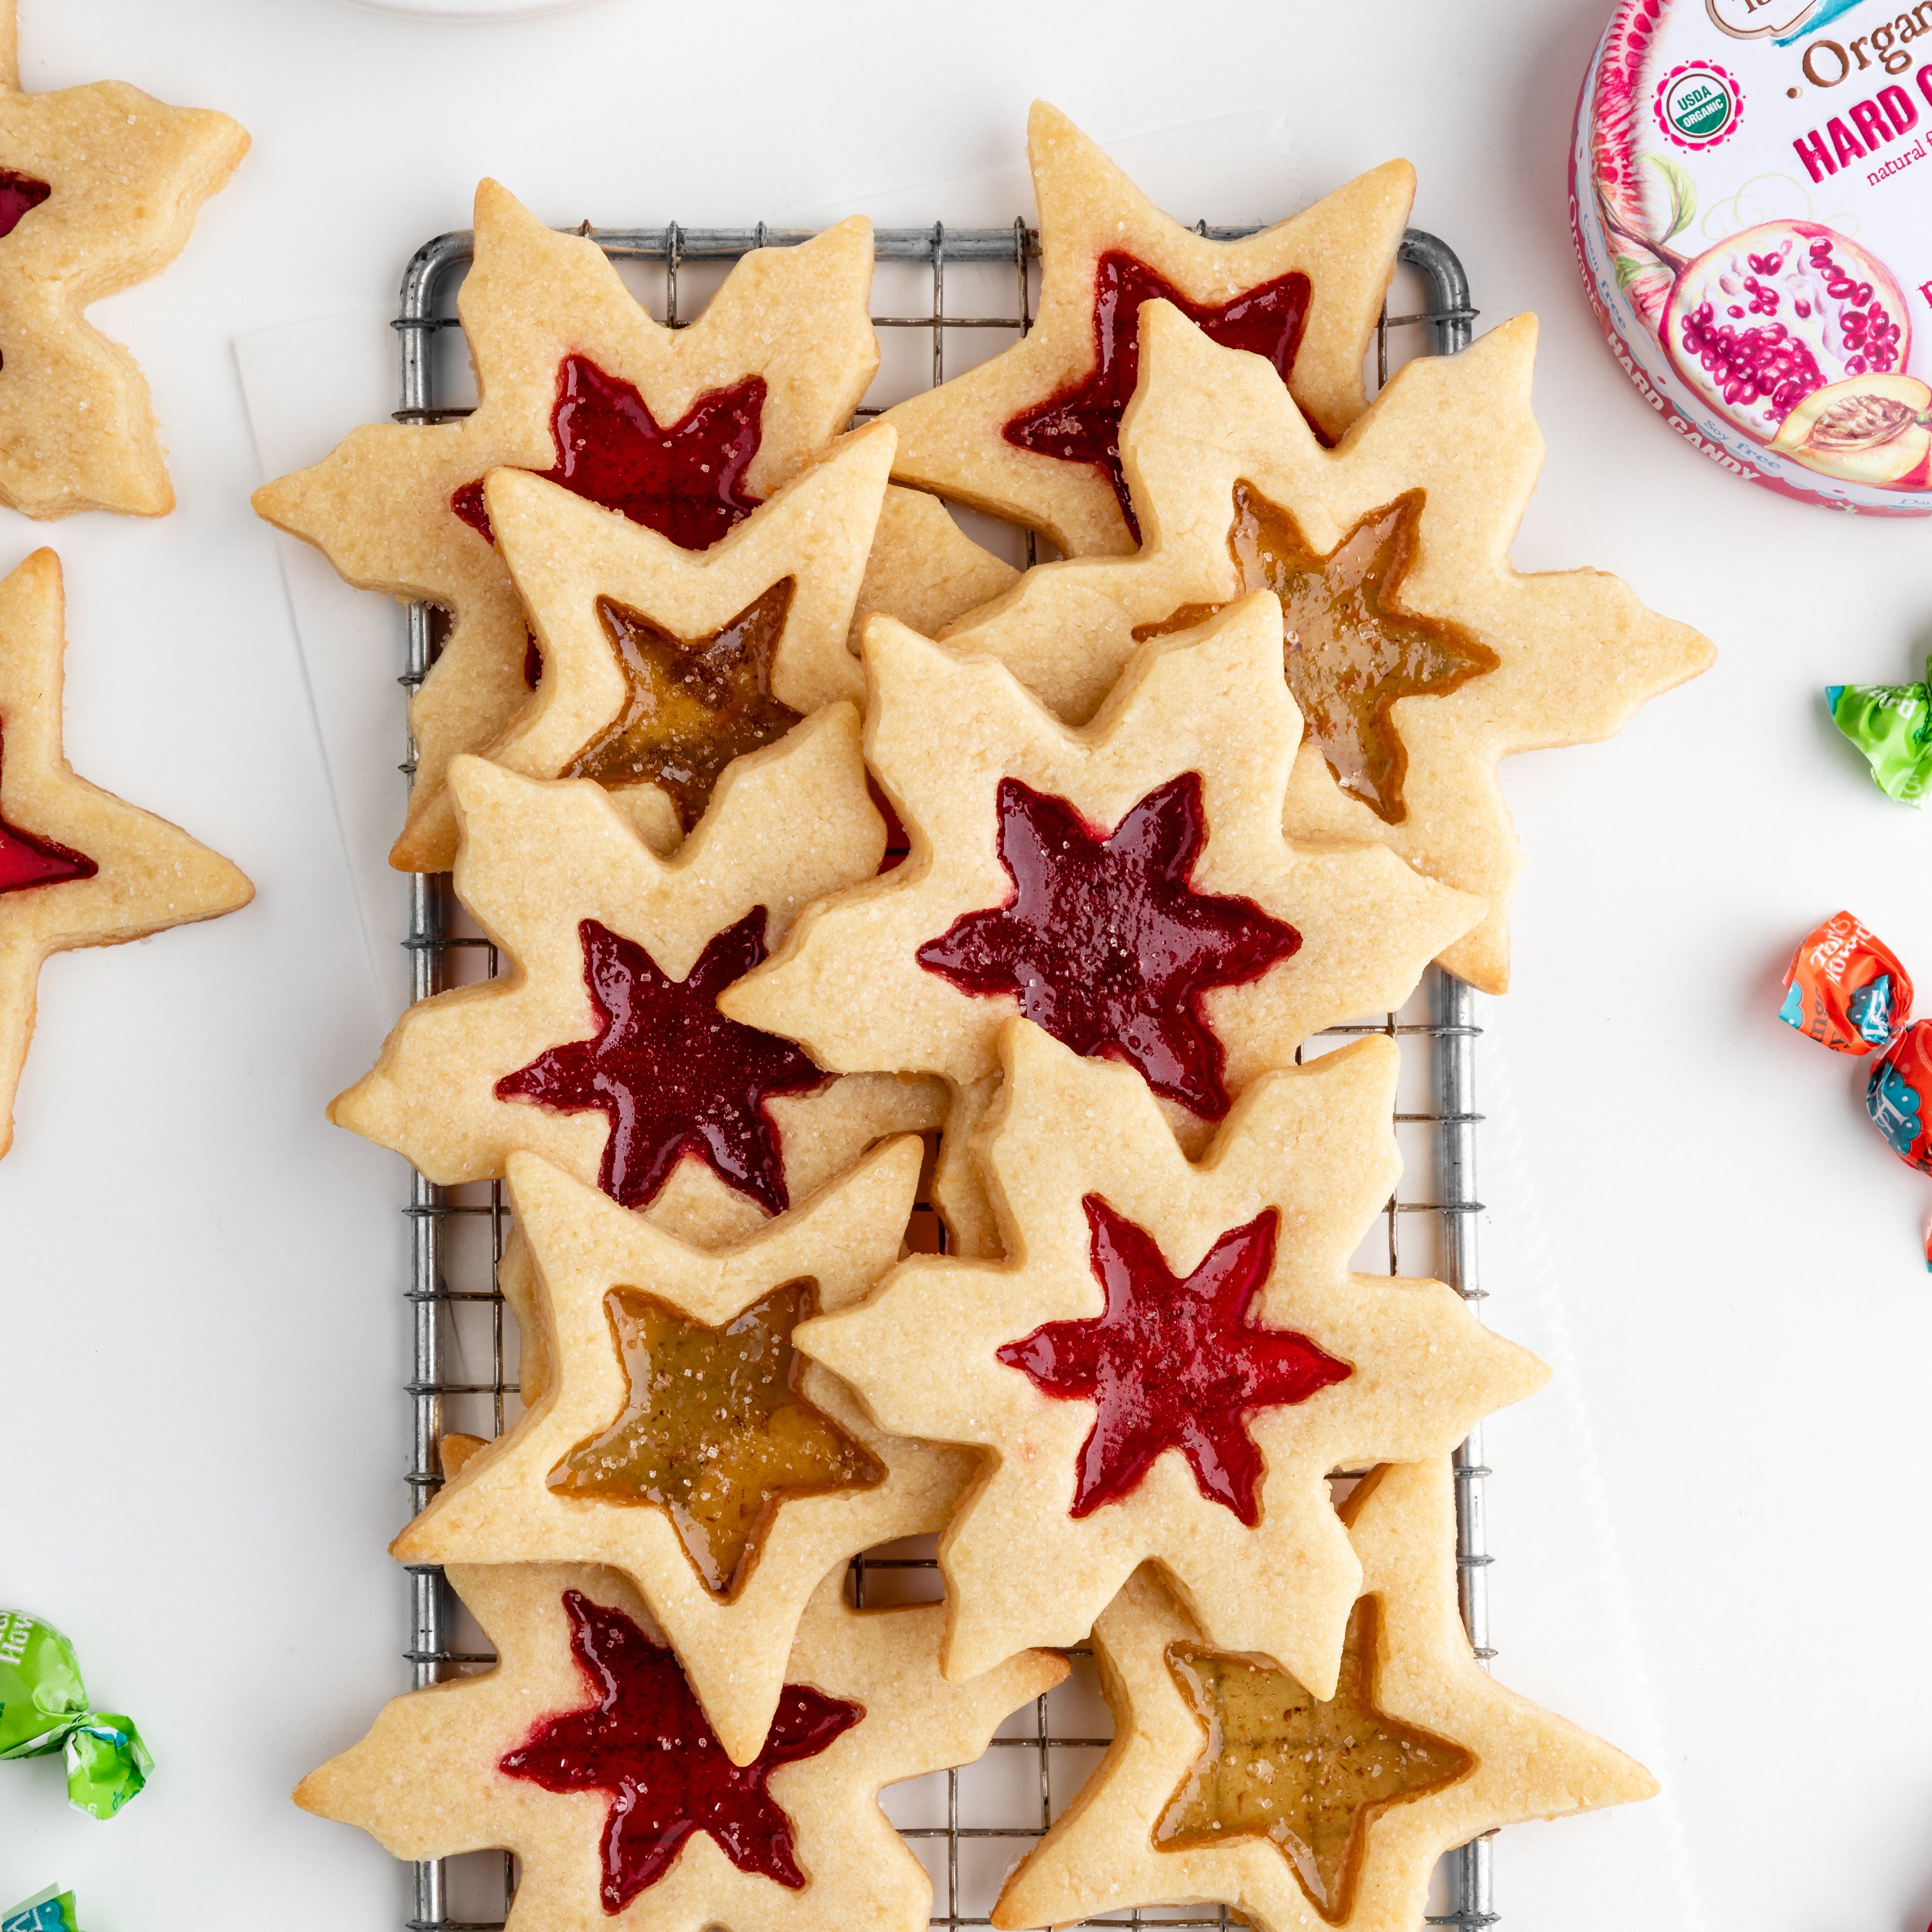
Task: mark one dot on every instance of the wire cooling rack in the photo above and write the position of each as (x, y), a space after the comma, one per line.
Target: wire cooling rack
(968, 1826)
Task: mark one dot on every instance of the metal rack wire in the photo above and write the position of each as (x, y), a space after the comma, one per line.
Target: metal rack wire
(456, 1235)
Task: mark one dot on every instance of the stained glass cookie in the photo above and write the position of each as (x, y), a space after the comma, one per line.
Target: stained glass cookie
(1174, 1359)
(660, 666)
(584, 1752)
(680, 1440)
(1032, 435)
(602, 1047)
(1418, 655)
(685, 430)
(1126, 886)
(100, 186)
(78, 867)
(1230, 1783)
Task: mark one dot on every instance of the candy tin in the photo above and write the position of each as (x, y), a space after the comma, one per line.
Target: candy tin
(1751, 198)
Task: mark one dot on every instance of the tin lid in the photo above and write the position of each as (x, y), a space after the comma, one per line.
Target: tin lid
(1751, 200)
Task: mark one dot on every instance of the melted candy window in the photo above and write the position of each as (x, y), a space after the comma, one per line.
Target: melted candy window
(686, 482)
(27, 860)
(714, 1431)
(691, 704)
(19, 196)
(1105, 943)
(644, 1739)
(1350, 650)
(1310, 1776)
(1174, 1363)
(1081, 424)
(670, 1072)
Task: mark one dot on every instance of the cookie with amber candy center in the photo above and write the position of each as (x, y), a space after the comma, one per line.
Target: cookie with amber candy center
(1126, 885)
(583, 1752)
(602, 1048)
(1418, 655)
(78, 867)
(680, 1439)
(685, 430)
(1174, 1357)
(1227, 1783)
(1032, 435)
(100, 186)
(661, 666)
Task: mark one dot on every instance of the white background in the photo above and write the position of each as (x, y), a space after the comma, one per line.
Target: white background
(200, 1326)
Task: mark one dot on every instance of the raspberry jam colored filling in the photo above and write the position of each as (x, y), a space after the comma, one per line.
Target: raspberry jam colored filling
(670, 1072)
(713, 1430)
(1081, 424)
(1105, 943)
(691, 704)
(27, 860)
(1174, 1363)
(19, 196)
(1350, 650)
(646, 1741)
(1308, 1776)
(686, 482)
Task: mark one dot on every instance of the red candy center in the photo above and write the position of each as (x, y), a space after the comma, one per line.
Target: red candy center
(670, 1072)
(1082, 423)
(19, 196)
(647, 1742)
(1174, 1363)
(686, 482)
(27, 860)
(1106, 944)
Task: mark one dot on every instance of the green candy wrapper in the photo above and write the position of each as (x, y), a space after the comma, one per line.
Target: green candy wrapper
(1891, 724)
(44, 1708)
(49, 1911)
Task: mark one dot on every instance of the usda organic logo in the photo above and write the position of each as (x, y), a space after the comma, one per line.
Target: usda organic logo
(1698, 104)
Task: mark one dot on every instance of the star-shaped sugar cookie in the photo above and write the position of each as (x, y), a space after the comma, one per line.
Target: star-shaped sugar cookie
(99, 188)
(1419, 656)
(584, 1752)
(1227, 1784)
(685, 430)
(1174, 1357)
(77, 866)
(1032, 435)
(680, 1440)
(924, 569)
(1126, 885)
(602, 1049)
(661, 665)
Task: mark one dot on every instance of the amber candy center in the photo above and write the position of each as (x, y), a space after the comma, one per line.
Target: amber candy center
(1350, 649)
(691, 704)
(1283, 1765)
(713, 1430)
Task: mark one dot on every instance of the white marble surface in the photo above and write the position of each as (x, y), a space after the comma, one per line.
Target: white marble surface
(201, 1332)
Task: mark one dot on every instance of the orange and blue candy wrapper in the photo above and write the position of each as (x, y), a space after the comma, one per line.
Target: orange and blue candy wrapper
(1846, 990)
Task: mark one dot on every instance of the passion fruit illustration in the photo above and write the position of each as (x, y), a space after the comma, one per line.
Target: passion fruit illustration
(1872, 429)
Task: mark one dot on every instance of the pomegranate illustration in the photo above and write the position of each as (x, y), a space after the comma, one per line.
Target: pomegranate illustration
(1867, 429)
(1626, 199)
(1774, 313)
